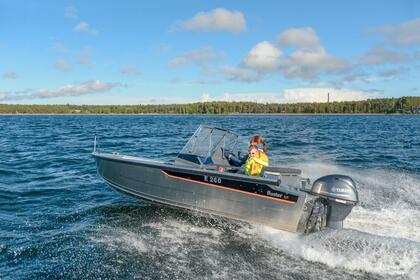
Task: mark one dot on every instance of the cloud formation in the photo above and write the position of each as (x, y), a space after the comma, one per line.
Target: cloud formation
(236, 73)
(263, 57)
(71, 12)
(215, 20)
(357, 75)
(134, 70)
(10, 74)
(313, 60)
(84, 57)
(307, 60)
(405, 34)
(380, 55)
(299, 37)
(199, 56)
(392, 73)
(258, 97)
(295, 95)
(310, 59)
(299, 53)
(87, 87)
(84, 27)
(61, 65)
(60, 48)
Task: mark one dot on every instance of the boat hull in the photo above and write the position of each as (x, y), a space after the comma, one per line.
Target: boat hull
(234, 196)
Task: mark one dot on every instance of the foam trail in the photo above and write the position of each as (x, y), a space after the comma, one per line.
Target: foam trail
(174, 239)
(389, 200)
(402, 223)
(381, 235)
(348, 249)
(121, 239)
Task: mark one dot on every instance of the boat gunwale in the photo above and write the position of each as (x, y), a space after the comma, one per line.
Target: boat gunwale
(199, 171)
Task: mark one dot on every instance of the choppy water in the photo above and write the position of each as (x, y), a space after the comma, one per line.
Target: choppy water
(59, 220)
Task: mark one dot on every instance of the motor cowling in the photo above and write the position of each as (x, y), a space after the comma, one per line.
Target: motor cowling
(340, 195)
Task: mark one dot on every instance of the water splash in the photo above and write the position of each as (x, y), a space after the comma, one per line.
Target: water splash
(381, 235)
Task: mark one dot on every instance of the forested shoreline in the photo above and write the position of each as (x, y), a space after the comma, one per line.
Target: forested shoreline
(402, 105)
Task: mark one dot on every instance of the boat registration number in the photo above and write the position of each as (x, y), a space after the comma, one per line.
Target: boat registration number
(211, 179)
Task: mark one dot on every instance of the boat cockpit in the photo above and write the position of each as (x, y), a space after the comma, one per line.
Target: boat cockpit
(205, 148)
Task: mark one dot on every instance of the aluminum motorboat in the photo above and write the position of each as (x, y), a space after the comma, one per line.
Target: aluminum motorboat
(200, 178)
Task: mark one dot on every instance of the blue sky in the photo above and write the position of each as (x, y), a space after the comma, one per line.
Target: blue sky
(131, 52)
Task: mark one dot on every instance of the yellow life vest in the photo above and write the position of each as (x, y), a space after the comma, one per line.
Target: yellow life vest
(254, 165)
(263, 157)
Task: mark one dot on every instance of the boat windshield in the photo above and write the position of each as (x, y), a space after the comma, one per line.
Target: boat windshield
(208, 144)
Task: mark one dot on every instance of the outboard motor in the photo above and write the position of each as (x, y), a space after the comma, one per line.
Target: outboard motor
(339, 194)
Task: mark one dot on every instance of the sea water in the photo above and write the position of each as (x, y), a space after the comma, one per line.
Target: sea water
(59, 220)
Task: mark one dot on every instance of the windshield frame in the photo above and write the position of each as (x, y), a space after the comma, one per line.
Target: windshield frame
(207, 140)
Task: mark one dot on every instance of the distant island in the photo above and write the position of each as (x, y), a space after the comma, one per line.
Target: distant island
(402, 105)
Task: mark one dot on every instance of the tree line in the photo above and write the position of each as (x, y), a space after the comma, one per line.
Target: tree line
(402, 105)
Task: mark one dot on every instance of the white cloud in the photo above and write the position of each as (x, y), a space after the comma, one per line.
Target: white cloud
(263, 57)
(75, 89)
(298, 95)
(205, 97)
(84, 57)
(299, 37)
(380, 55)
(308, 60)
(258, 97)
(355, 76)
(58, 47)
(200, 56)
(84, 27)
(185, 83)
(404, 35)
(236, 73)
(61, 65)
(130, 70)
(87, 87)
(71, 12)
(392, 73)
(216, 20)
(177, 61)
(316, 58)
(10, 74)
(311, 63)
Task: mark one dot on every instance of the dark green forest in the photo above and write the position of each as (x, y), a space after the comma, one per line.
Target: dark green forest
(402, 105)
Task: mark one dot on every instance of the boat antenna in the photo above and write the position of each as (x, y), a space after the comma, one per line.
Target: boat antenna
(94, 144)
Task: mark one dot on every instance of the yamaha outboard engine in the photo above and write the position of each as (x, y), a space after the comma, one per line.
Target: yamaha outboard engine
(338, 195)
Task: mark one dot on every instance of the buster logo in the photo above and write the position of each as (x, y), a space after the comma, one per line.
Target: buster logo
(279, 195)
